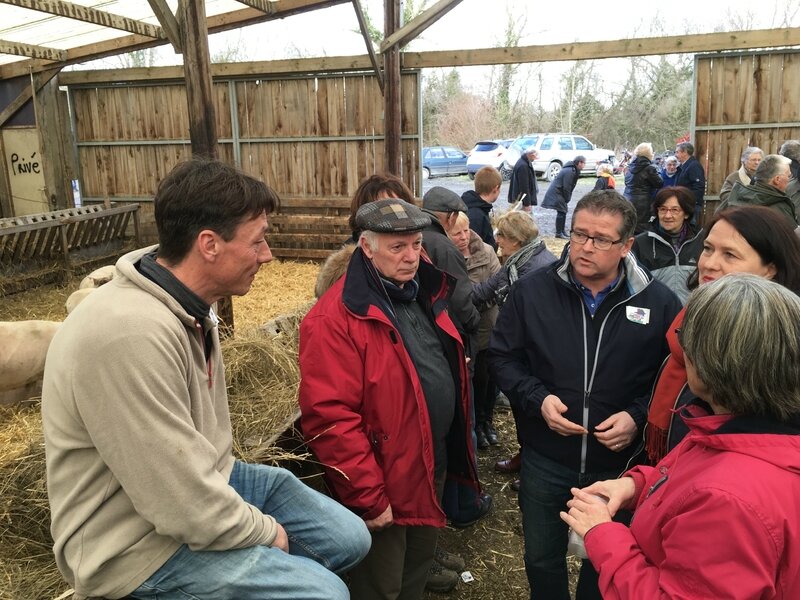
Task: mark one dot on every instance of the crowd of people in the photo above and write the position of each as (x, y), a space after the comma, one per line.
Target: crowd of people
(651, 370)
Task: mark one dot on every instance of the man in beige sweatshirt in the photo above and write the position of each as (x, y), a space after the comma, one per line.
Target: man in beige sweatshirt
(147, 499)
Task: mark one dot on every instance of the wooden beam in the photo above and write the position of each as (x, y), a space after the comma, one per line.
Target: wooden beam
(216, 23)
(31, 50)
(197, 67)
(676, 44)
(88, 15)
(26, 95)
(221, 70)
(392, 113)
(265, 6)
(168, 23)
(417, 25)
(362, 24)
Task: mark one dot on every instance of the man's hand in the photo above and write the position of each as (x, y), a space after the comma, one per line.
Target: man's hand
(552, 409)
(281, 541)
(617, 431)
(382, 521)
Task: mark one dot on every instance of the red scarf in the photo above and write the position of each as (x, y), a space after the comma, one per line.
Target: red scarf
(668, 387)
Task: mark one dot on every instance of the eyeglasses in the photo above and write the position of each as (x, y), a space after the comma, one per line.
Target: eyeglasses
(663, 210)
(600, 243)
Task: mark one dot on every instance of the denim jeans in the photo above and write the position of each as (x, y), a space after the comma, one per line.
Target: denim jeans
(324, 538)
(543, 494)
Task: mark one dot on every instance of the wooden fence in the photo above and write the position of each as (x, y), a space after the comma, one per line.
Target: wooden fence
(743, 99)
(312, 139)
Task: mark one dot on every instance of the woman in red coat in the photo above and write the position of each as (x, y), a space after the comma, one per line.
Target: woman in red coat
(718, 517)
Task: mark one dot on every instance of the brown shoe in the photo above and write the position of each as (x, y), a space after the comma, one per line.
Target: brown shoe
(441, 580)
(510, 465)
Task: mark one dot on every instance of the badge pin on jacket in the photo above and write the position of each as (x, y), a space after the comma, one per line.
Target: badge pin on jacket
(638, 315)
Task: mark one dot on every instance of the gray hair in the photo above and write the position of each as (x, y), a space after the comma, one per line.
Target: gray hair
(687, 147)
(609, 201)
(742, 334)
(791, 149)
(672, 159)
(771, 166)
(644, 149)
(751, 150)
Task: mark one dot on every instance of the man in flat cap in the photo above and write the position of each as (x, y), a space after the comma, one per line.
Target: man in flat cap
(384, 396)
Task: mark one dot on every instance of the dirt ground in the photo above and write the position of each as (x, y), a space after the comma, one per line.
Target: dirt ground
(493, 547)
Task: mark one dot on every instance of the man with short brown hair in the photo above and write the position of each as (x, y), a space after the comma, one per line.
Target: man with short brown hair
(480, 200)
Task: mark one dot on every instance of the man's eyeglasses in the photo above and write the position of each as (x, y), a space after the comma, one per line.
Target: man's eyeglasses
(663, 210)
(600, 243)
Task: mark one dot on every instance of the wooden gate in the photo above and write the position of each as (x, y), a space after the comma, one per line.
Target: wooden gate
(743, 99)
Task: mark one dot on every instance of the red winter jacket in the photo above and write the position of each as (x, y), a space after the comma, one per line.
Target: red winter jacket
(364, 413)
(718, 517)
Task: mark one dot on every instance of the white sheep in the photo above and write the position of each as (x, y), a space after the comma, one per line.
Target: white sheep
(98, 277)
(23, 351)
(77, 297)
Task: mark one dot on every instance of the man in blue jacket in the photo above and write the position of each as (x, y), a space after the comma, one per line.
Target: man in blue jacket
(576, 349)
(691, 175)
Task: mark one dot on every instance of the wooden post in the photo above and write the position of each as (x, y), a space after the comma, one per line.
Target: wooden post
(197, 72)
(53, 136)
(202, 116)
(392, 115)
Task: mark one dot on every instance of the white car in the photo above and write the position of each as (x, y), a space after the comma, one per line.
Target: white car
(490, 153)
(555, 150)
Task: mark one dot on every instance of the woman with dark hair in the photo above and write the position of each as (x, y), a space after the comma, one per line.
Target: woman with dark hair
(670, 246)
(717, 517)
(748, 239)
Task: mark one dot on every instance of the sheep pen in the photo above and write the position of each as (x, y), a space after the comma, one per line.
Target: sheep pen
(262, 375)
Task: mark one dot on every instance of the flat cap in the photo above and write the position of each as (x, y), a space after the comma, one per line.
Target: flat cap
(441, 199)
(391, 215)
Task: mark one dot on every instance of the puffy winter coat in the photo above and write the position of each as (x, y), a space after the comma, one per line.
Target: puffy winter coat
(671, 267)
(478, 212)
(482, 263)
(760, 194)
(546, 342)
(560, 191)
(523, 181)
(363, 410)
(716, 518)
(642, 181)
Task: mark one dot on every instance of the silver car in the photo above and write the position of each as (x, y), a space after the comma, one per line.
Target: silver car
(555, 150)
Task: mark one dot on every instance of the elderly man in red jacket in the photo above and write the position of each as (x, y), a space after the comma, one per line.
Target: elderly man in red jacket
(384, 397)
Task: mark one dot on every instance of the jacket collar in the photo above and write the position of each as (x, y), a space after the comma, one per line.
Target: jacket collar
(634, 276)
(363, 288)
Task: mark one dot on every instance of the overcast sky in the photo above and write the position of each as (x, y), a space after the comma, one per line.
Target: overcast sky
(333, 31)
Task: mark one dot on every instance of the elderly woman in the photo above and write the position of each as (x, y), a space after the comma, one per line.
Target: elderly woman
(670, 246)
(518, 238)
(669, 174)
(751, 158)
(642, 181)
(718, 517)
(750, 239)
(482, 263)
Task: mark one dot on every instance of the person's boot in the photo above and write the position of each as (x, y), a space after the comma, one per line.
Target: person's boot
(491, 433)
(561, 222)
(441, 580)
(510, 465)
(480, 434)
(449, 560)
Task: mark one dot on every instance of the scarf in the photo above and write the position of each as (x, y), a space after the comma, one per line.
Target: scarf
(675, 239)
(668, 387)
(519, 258)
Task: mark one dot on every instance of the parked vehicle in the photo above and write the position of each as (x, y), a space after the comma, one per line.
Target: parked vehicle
(490, 153)
(443, 160)
(555, 150)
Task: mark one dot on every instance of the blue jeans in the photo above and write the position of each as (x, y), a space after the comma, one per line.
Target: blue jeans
(324, 538)
(543, 494)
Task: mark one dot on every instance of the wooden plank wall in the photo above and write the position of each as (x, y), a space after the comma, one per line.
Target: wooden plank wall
(743, 99)
(312, 139)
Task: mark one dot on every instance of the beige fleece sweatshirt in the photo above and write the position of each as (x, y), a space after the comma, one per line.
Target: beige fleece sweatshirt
(138, 439)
